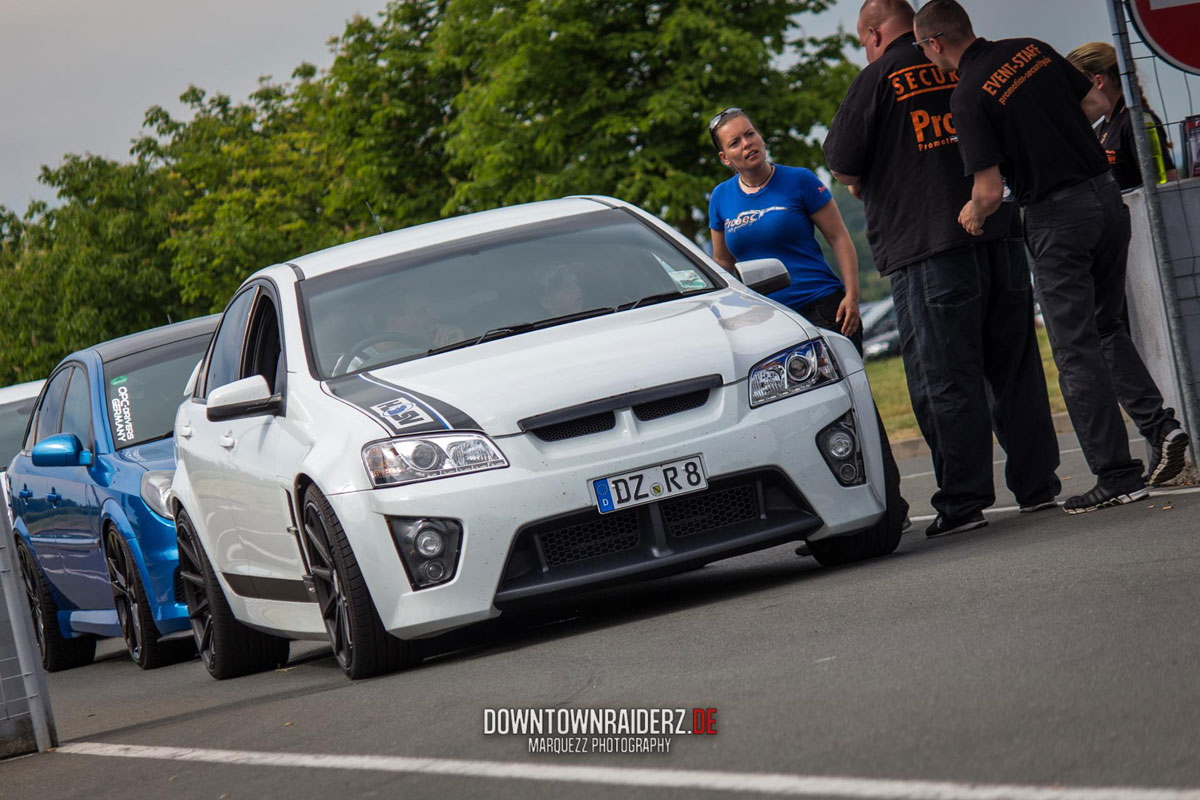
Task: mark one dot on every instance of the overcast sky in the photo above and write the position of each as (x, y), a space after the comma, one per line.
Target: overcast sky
(79, 75)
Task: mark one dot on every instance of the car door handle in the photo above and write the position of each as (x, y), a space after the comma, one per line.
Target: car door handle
(54, 497)
(227, 441)
(185, 431)
(25, 494)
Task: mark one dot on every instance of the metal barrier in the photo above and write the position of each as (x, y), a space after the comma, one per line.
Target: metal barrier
(26, 722)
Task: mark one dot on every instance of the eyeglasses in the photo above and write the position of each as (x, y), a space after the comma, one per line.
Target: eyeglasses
(719, 118)
(917, 44)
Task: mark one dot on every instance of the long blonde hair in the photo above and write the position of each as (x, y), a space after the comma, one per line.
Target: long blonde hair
(1100, 58)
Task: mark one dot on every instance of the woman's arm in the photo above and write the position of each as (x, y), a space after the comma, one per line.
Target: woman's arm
(721, 253)
(829, 221)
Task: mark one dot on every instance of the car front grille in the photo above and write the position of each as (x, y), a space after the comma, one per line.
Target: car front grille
(610, 533)
(736, 513)
(670, 405)
(705, 511)
(583, 426)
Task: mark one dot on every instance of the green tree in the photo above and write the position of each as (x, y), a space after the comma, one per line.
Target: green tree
(568, 96)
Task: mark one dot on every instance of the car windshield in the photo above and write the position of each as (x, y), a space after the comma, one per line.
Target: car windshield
(13, 419)
(491, 286)
(143, 390)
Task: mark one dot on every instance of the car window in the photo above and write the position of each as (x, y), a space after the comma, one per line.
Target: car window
(492, 285)
(143, 390)
(77, 409)
(14, 418)
(225, 358)
(50, 411)
(262, 356)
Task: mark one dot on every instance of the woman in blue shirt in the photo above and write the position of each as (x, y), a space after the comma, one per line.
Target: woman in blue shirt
(770, 211)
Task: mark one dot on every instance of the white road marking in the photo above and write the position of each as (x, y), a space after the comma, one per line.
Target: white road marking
(1007, 509)
(739, 782)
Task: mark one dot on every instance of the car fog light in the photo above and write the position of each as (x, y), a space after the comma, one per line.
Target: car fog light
(434, 571)
(429, 543)
(840, 444)
(847, 472)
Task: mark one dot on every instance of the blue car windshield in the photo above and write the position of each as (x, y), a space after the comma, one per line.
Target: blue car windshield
(143, 390)
(13, 419)
(489, 286)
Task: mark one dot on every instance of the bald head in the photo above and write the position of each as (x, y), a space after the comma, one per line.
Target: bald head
(880, 22)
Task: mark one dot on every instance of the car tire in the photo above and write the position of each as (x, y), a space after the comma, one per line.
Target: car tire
(361, 645)
(138, 629)
(880, 539)
(227, 648)
(58, 652)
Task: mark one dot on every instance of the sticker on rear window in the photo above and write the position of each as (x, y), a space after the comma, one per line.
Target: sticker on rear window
(119, 380)
(403, 412)
(122, 414)
(687, 279)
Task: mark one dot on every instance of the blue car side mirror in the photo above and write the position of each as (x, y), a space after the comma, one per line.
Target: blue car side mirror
(61, 450)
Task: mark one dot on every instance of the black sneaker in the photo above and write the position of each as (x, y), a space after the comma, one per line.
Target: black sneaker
(944, 525)
(1030, 508)
(1099, 497)
(803, 550)
(1168, 458)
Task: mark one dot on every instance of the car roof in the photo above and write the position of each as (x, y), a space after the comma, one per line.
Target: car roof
(441, 231)
(144, 340)
(20, 391)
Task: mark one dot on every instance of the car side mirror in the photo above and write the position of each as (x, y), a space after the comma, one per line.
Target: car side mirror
(61, 450)
(249, 397)
(763, 275)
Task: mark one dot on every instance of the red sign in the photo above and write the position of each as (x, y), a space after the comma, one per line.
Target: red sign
(1171, 28)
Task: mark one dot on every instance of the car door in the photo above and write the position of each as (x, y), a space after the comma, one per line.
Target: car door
(258, 469)
(33, 487)
(200, 446)
(75, 517)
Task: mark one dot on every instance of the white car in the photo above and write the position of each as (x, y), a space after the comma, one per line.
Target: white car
(412, 432)
(16, 404)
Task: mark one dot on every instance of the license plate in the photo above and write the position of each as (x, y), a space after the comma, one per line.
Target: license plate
(649, 484)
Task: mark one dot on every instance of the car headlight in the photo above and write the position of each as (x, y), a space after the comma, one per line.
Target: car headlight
(155, 485)
(795, 370)
(422, 458)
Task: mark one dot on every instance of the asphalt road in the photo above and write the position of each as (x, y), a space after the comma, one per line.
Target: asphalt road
(1041, 652)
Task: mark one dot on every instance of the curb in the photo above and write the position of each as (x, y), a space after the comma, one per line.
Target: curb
(911, 448)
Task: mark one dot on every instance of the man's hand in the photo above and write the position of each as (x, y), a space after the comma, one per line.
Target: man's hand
(971, 219)
(848, 315)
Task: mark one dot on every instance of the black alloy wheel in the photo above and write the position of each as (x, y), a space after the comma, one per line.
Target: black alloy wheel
(127, 595)
(58, 652)
(227, 648)
(362, 646)
(195, 591)
(330, 598)
(29, 579)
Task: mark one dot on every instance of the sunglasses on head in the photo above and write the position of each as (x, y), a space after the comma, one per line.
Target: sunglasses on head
(917, 44)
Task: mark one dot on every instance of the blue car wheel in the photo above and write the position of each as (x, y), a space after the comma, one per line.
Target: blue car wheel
(133, 610)
(58, 652)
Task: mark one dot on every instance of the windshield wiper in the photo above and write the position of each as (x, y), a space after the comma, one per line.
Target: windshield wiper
(654, 298)
(520, 327)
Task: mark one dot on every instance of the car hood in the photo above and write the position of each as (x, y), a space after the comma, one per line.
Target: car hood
(494, 385)
(159, 454)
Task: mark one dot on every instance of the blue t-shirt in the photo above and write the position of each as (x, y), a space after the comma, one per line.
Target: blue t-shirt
(776, 222)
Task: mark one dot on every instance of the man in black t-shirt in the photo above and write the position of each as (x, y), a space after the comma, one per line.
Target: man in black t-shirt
(1023, 115)
(964, 304)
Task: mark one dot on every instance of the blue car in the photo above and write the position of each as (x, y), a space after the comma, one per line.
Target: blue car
(95, 543)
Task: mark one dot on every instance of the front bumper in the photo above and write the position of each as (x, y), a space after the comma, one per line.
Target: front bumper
(548, 487)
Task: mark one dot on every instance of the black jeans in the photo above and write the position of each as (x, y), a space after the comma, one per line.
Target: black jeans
(970, 353)
(823, 314)
(1080, 245)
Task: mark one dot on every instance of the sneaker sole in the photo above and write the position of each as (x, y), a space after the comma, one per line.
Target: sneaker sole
(967, 526)
(1171, 462)
(1119, 500)
(1039, 507)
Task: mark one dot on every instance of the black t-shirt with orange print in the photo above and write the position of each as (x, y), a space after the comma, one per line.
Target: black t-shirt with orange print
(1116, 138)
(1017, 106)
(895, 131)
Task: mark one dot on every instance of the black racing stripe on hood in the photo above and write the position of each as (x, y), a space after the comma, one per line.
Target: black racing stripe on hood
(401, 409)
